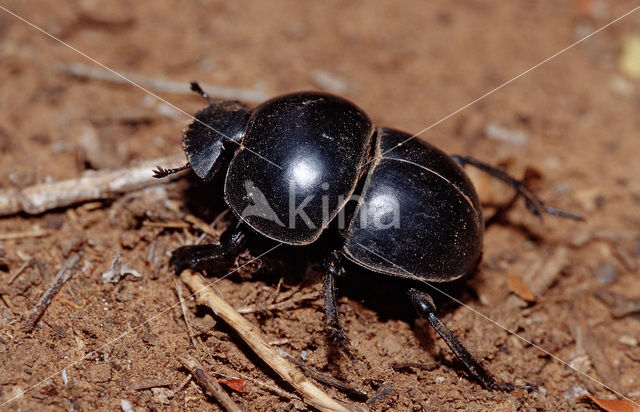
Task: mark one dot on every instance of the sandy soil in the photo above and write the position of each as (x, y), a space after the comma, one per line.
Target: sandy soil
(571, 126)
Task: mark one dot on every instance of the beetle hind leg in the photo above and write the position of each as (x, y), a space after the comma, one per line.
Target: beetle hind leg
(533, 202)
(426, 309)
(198, 257)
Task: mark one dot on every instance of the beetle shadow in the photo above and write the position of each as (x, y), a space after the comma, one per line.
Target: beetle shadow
(387, 297)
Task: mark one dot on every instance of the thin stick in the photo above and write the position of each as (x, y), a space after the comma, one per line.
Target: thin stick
(212, 225)
(323, 377)
(25, 265)
(161, 85)
(200, 225)
(212, 386)
(183, 306)
(20, 235)
(183, 384)
(252, 336)
(167, 225)
(64, 274)
(286, 304)
(91, 185)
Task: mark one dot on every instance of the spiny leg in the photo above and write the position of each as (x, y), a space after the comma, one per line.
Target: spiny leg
(197, 257)
(426, 309)
(159, 172)
(196, 88)
(333, 268)
(534, 203)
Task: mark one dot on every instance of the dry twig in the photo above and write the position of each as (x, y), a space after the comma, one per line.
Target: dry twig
(212, 386)
(19, 235)
(312, 394)
(183, 307)
(91, 185)
(25, 265)
(161, 85)
(64, 274)
(586, 339)
(541, 277)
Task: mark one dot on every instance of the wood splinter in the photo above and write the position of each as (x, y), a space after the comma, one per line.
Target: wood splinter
(64, 274)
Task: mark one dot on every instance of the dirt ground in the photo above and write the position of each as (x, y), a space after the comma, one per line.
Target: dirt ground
(570, 126)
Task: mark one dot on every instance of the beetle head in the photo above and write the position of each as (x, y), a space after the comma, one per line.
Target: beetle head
(216, 131)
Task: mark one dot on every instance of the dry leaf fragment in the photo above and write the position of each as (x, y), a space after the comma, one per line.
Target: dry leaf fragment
(118, 271)
(614, 405)
(238, 385)
(517, 286)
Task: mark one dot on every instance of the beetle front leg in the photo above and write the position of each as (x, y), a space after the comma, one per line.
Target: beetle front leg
(198, 257)
(426, 309)
(534, 203)
(332, 269)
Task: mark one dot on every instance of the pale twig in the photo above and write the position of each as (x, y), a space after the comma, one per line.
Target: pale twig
(167, 225)
(65, 273)
(160, 85)
(20, 235)
(212, 225)
(212, 386)
(184, 383)
(25, 265)
(91, 185)
(252, 336)
(200, 224)
(183, 307)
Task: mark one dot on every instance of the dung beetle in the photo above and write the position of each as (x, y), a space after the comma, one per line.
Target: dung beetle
(294, 163)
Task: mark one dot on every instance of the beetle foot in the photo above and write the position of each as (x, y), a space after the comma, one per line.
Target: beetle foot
(195, 257)
(507, 387)
(341, 340)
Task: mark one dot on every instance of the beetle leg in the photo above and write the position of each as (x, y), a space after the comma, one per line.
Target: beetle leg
(197, 257)
(534, 203)
(333, 268)
(196, 88)
(426, 309)
(159, 172)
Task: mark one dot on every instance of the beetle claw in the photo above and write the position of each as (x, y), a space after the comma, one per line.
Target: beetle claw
(341, 340)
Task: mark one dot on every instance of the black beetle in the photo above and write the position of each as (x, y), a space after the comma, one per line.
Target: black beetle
(304, 156)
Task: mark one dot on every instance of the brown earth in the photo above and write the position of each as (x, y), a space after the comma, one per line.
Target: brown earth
(571, 126)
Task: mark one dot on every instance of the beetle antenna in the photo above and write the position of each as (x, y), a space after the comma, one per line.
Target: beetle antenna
(160, 172)
(196, 88)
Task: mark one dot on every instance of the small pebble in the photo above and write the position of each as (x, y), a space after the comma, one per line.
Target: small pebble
(628, 340)
(330, 82)
(126, 405)
(440, 379)
(606, 273)
(500, 133)
(574, 392)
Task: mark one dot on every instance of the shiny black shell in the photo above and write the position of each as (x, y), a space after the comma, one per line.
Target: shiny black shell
(439, 228)
(319, 141)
